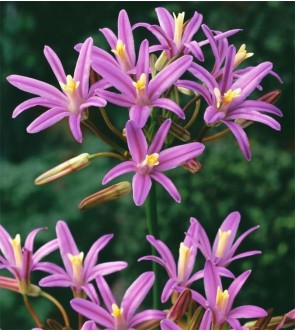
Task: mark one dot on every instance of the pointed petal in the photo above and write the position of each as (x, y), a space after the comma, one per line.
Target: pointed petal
(235, 287)
(29, 243)
(139, 114)
(39, 88)
(75, 127)
(166, 21)
(57, 280)
(168, 325)
(169, 105)
(154, 259)
(136, 293)
(212, 115)
(92, 255)
(203, 75)
(192, 27)
(147, 315)
(196, 276)
(168, 76)
(91, 292)
(115, 98)
(110, 37)
(6, 246)
(143, 62)
(67, 244)
(124, 167)
(248, 311)
(167, 184)
(89, 325)
(206, 320)
(49, 268)
(204, 243)
(195, 50)
(98, 54)
(136, 140)
(104, 269)
(160, 137)
(261, 106)
(245, 254)
(193, 86)
(105, 292)
(93, 312)
(93, 101)
(241, 137)
(45, 250)
(47, 119)
(82, 69)
(213, 44)
(227, 77)
(141, 185)
(199, 298)
(32, 103)
(211, 282)
(55, 65)
(234, 323)
(168, 290)
(165, 40)
(177, 155)
(126, 35)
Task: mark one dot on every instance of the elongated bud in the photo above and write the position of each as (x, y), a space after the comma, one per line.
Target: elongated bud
(153, 60)
(106, 195)
(179, 307)
(178, 131)
(161, 62)
(271, 97)
(193, 166)
(13, 285)
(184, 91)
(69, 166)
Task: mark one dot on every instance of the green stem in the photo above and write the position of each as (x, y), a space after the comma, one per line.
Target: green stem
(152, 226)
(32, 312)
(108, 154)
(110, 125)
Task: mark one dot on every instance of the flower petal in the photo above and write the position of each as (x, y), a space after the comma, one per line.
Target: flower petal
(206, 320)
(143, 62)
(147, 315)
(192, 27)
(177, 155)
(166, 21)
(104, 269)
(89, 325)
(211, 283)
(160, 137)
(91, 292)
(245, 254)
(141, 185)
(37, 101)
(105, 292)
(261, 106)
(110, 37)
(136, 293)
(235, 287)
(55, 65)
(45, 250)
(248, 311)
(227, 77)
(75, 127)
(137, 143)
(139, 114)
(29, 243)
(56, 280)
(93, 101)
(168, 290)
(6, 246)
(167, 184)
(169, 105)
(47, 119)
(50, 268)
(124, 167)
(167, 324)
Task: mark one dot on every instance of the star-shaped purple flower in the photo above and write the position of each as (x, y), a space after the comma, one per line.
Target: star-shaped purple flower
(72, 102)
(149, 162)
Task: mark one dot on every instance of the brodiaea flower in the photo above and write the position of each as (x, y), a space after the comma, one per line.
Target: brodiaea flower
(72, 102)
(77, 274)
(21, 261)
(149, 162)
(121, 317)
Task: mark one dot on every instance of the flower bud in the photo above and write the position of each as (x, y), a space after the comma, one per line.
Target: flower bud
(106, 195)
(179, 307)
(184, 91)
(192, 165)
(178, 131)
(271, 97)
(161, 62)
(69, 166)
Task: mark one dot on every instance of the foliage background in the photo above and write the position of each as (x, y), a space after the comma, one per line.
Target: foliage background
(263, 190)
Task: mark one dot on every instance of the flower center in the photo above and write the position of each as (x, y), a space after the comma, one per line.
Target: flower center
(149, 162)
(222, 298)
(241, 55)
(71, 85)
(17, 250)
(227, 98)
(77, 267)
(141, 83)
(122, 55)
(184, 252)
(116, 311)
(70, 89)
(178, 28)
(223, 238)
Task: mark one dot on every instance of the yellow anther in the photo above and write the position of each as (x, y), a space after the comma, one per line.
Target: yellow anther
(222, 242)
(77, 259)
(120, 48)
(230, 95)
(151, 160)
(70, 86)
(116, 311)
(241, 55)
(218, 97)
(178, 28)
(221, 298)
(141, 83)
(17, 250)
(182, 260)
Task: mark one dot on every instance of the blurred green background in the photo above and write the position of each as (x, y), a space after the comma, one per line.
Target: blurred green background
(262, 190)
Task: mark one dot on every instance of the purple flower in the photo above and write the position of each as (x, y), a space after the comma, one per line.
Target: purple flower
(149, 162)
(226, 98)
(72, 102)
(77, 274)
(141, 95)
(121, 317)
(224, 247)
(21, 261)
(167, 324)
(220, 301)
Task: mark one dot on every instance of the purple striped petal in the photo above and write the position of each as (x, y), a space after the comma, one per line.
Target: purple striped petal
(47, 119)
(169, 105)
(227, 77)
(67, 244)
(155, 259)
(57, 280)
(104, 269)
(92, 255)
(93, 101)
(204, 243)
(141, 185)
(195, 49)
(235, 287)
(89, 325)
(27, 264)
(99, 54)
(115, 98)
(192, 27)
(206, 320)
(168, 76)
(212, 115)
(234, 323)
(50, 268)
(245, 254)
(32, 103)
(211, 283)
(168, 290)
(105, 292)
(167, 324)
(75, 126)
(261, 106)
(210, 38)
(136, 293)
(93, 312)
(29, 243)
(91, 292)
(241, 137)
(6, 246)
(143, 62)
(45, 250)
(203, 75)
(177, 155)
(166, 41)
(167, 184)
(147, 315)
(39, 88)
(248, 311)
(196, 276)
(139, 114)
(55, 64)
(125, 34)
(160, 137)
(137, 143)
(166, 21)
(193, 86)
(197, 297)
(82, 69)
(110, 37)
(124, 167)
